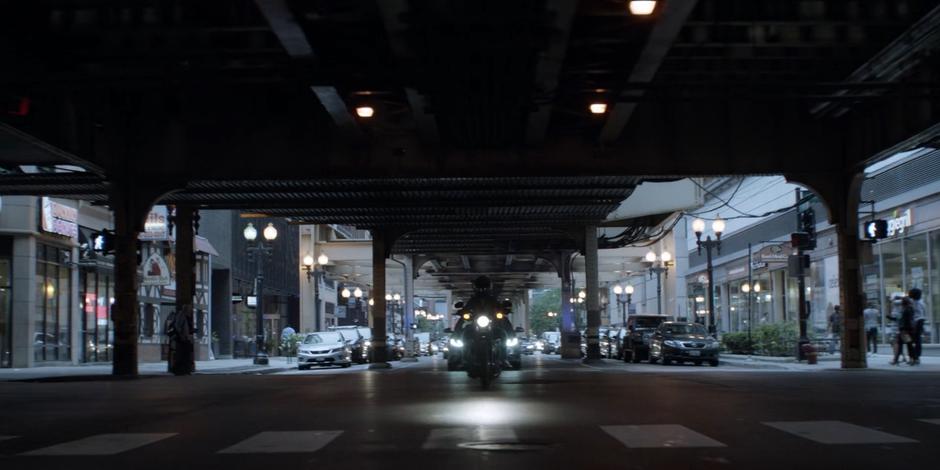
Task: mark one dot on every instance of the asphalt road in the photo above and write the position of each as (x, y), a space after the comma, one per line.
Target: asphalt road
(550, 415)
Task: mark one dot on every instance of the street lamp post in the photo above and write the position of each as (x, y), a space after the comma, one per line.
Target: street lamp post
(665, 260)
(622, 293)
(718, 226)
(315, 273)
(258, 250)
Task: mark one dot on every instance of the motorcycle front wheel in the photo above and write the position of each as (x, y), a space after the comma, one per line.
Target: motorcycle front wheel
(487, 374)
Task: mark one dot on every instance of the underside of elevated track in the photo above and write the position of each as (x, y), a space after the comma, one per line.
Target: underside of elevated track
(480, 151)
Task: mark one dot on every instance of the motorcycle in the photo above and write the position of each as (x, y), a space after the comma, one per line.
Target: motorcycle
(482, 358)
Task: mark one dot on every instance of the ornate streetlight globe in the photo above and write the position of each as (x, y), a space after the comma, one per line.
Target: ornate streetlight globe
(357, 293)
(323, 259)
(698, 225)
(582, 295)
(270, 233)
(396, 297)
(618, 290)
(650, 256)
(250, 232)
(666, 257)
(308, 261)
(756, 287)
(746, 288)
(345, 293)
(718, 226)
(388, 297)
(628, 289)
(371, 302)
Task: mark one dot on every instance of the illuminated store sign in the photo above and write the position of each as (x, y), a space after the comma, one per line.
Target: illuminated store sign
(899, 222)
(59, 219)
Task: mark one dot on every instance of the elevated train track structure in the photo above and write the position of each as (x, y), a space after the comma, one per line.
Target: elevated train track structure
(480, 140)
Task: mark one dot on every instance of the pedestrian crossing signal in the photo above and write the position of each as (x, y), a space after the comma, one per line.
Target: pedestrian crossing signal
(876, 229)
(103, 242)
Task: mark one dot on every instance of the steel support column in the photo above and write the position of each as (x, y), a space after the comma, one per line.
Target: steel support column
(570, 339)
(409, 314)
(593, 295)
(842, 193)
(129, 214)
(182, 359)
(379, 334)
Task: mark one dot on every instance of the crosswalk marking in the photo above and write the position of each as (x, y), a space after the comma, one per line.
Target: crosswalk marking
(931, 420)
(102, 444)
(837, 432)
(659, 436)
(450, 438)
(277, 442)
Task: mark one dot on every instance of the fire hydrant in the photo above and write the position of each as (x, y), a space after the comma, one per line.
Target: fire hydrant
(809, 352)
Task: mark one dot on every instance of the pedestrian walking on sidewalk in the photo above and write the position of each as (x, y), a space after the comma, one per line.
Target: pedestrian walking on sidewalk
(835, 327)
(871, 315)
(920, 316)
(905, 331)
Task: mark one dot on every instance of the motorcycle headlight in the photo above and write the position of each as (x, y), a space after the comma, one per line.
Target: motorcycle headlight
(457, 343)
(483, 321)
(512, 342)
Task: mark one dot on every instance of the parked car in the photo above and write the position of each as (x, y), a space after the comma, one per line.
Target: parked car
(323, 348)
(636, 340)
(355, 341)
(614, 349)
(683, 342)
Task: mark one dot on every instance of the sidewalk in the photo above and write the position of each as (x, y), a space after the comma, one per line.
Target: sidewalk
(149, 369)
(831, 362)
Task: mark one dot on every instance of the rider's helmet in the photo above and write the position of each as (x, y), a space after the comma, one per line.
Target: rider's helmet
(481, 283)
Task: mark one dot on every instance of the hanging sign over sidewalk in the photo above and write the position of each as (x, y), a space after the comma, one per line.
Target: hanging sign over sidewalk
(156, 272)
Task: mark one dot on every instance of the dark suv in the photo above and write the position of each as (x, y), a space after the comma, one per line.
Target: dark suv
(635, 344)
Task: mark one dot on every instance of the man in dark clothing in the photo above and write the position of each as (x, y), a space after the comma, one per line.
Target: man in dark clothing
(905, 331)
(920, 316)
(835, 326)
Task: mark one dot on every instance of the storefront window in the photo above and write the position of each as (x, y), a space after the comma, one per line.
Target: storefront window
(820, 307)
(52, 321)
(5, 307)
(761, 300)
(737, 305)
(98, 330)
(933, 299)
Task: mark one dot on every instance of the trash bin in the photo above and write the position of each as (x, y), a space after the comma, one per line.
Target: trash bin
(809, 352)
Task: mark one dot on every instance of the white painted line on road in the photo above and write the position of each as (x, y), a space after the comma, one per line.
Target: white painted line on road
(931, 421)
(837, 432)
(449, 438)
(279, 442)
(659, 436)
(6, 438)
(102, 444)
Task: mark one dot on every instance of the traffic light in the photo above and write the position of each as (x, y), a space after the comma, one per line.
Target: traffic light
(802, 241)
(876, 229)
(808, 226)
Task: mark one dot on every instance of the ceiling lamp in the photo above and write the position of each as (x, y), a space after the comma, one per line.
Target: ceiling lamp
(598, 108)
(642, 7)
(366, 111)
